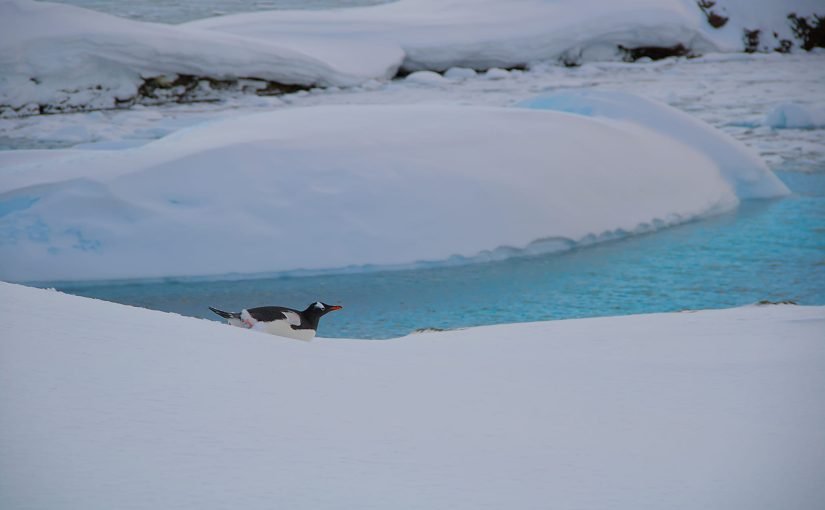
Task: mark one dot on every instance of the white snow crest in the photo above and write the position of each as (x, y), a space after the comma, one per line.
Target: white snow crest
(740, 165)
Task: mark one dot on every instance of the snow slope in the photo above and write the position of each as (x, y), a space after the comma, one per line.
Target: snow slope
(335, 186)
(105, 406)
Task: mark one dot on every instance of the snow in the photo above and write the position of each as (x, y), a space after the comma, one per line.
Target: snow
(68, 57)
(796, 116)
(427, 78)
(108, 406)
(338, 186)
(56, 57)
(769, 17)
(741, 166)
(459, 73)
(732, 92)
(437, 34)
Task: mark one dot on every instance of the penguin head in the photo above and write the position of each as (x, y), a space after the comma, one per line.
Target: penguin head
(317, 309)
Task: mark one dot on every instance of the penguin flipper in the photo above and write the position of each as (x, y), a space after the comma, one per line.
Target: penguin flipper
(226, 315)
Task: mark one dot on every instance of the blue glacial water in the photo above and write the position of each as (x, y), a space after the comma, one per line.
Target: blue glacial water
(766, 250)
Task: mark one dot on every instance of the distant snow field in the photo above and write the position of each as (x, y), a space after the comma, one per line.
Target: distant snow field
(106, 406)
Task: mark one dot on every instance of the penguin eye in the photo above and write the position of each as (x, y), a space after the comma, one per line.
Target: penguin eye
(319, 305)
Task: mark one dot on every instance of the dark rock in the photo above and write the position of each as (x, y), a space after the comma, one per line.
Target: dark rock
(810, 31)
(751, 40)
(653, 52)
(715, 19)
(785, 46)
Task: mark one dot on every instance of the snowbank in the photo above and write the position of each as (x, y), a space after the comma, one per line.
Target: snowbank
(56, 57)
(796, 116)
(336, 186)
(482, 34)
(105, 406)
(740, 165)
(60, 58)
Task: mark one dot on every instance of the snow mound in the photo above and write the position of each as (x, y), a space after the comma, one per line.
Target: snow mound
(740, 165)
(796, 116)
(56, 57)
(427, 78)
(336, 186)
(106, 406)
(438, 34)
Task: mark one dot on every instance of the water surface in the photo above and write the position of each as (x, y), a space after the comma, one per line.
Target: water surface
(766, 250)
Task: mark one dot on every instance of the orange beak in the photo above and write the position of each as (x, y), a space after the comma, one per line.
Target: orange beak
(336, 307)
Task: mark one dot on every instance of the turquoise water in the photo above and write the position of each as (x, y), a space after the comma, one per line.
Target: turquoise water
(766, 250)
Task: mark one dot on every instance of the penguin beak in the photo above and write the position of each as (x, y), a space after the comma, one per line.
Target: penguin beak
(335, 307)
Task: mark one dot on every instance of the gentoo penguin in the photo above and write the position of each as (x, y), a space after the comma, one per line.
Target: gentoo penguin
(277, 320)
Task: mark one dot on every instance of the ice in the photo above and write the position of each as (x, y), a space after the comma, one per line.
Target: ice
(107, 406)
(796, 116)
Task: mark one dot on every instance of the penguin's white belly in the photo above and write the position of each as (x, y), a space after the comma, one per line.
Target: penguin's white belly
(284, 328)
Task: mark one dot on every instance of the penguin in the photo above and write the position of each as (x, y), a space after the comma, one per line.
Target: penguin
(280, 321)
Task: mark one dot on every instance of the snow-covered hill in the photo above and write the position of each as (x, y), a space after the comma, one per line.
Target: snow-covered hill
(105, 406)
(57, 58)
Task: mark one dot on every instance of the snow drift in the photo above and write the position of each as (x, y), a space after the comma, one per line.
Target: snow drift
(336, 186)
(105, 406)
(439, 34)
(57, 58)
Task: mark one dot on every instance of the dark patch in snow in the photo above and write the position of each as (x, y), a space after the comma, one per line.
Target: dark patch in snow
(715, 19)
(187, 88)
(768, 302)
(810, 30)
(156, 90)
(653, 52)
(751, 40)
(785, 46)
(571, 59)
